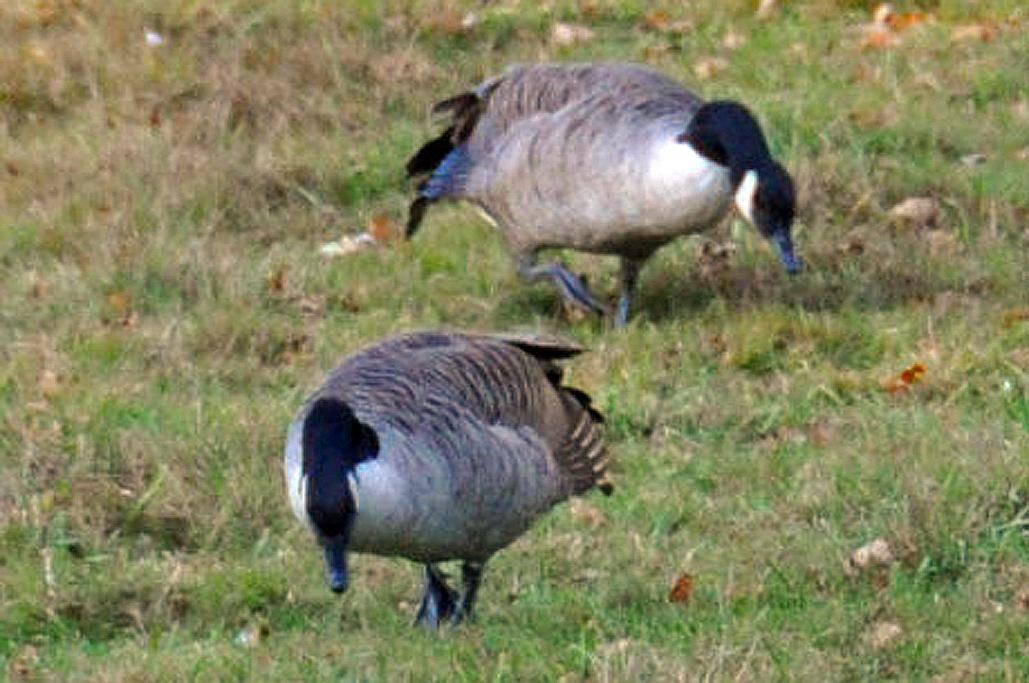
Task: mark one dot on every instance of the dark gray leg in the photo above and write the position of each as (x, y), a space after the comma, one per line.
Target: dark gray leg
(570, 285)
(629, 276)
(438, 603)
(471, 576)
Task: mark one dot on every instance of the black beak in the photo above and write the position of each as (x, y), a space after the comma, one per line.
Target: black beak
(784, 244)
(336, 563)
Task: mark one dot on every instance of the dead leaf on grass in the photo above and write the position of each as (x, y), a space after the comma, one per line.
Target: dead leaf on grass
(707, 68)
(381, 228)
(660, 22)
(767, 8)
(901, 384)
(569, 34)
(883, 634)
(733, 40)
(874, 554)
(277, 280)
(120, 304)
(981, 32)
(923, 212)
(588, 514)
(682, 591)
(1013, 316)
(347, 245)
(852, 246)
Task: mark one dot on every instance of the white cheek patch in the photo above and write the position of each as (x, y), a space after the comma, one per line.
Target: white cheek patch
(745, 195)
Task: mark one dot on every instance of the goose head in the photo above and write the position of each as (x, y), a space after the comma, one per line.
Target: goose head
(728, 134)
(334, 442)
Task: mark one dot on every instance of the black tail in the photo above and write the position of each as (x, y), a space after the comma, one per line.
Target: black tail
(415, 214)
(431, 154)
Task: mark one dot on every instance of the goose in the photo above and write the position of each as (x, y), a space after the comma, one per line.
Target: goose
(606, 158)
(437, 446)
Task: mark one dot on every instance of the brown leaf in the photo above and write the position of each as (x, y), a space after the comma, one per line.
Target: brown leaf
(875, 554)
(588, 514)
(1022, 600)
(980, 32)
(381, 228)
(883, 634)
(276, 280)
(708, 67)
(660, 22)
(924, 212)
(733, 40)
(767, 8)
(1012, 316)
(451, 21)
(569, 34)
(852, 246)
(49, 383)
(880, 37)
(682, 591)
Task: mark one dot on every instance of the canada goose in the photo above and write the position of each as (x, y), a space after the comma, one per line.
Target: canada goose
(440, 446)
(607, 158)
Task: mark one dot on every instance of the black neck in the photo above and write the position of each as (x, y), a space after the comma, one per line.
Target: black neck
(728, 134)
(334, 442)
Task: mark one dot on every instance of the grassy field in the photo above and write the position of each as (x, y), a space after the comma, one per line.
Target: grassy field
(166, 308)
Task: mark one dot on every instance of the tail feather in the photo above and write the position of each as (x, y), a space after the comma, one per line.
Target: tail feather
(583, 455)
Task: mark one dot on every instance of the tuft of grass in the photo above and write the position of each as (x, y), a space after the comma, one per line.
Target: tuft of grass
(166, 310)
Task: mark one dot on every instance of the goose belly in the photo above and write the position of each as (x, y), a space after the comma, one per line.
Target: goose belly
(634, 203)
(427, 518)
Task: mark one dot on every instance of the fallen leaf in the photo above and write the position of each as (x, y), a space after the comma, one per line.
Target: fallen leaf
(1015, 315)
(883, 634)
(381, 228)
(40, 288)
(924, 212)
(767, 8)
(120, 304)
(660, 22)
(874, 554)
(252, 635)
(682, 591)
(709, 67)
(821, 433)
(882, 13)
(1022, 600)
(902, 382)
(452, 22)
(852, 246)
(973, 159)
(276, 280)
(733, 40)
(569, 34)
(981, 32)
(588, 514)
(880, 37)
(49, 383)
(913, 374)
(903, 22)
(24, 665)
(346, 245)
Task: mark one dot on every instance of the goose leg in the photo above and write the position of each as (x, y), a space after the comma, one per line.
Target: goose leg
(570, 285)
(629, 276)
(437, 602)
(471, 576)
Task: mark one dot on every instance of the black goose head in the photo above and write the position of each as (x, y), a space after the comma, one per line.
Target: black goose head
(334, 442)
(728, 134)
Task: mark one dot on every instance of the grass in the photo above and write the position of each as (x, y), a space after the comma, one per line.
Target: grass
(166, 310)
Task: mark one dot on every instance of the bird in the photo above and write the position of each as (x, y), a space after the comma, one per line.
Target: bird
(437, 446)
(608, 158)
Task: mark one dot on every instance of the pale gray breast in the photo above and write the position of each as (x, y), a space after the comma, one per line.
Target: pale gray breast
(603, 174)
(466, 499)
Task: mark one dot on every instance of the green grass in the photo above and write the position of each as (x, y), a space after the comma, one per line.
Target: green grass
(166, 310)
